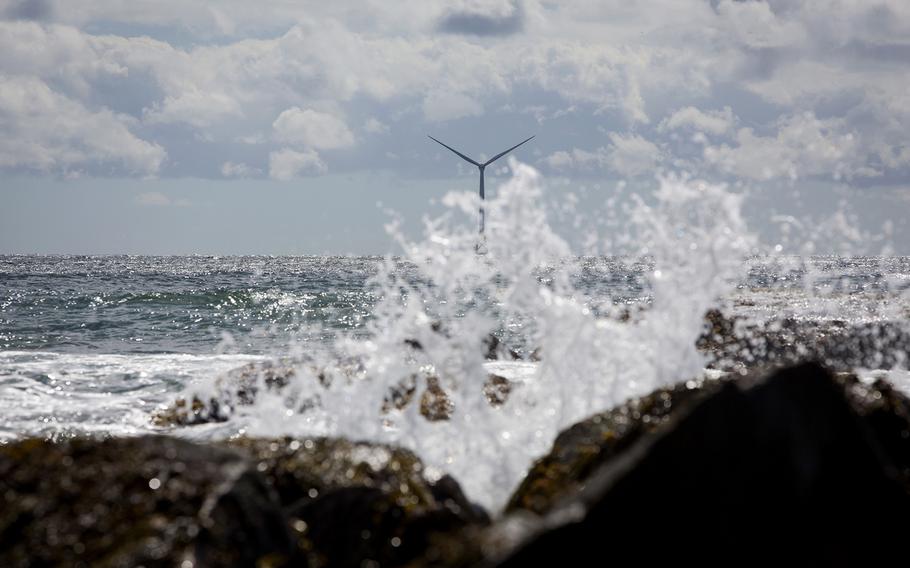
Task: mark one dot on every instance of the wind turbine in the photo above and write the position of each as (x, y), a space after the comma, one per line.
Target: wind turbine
(480, 166)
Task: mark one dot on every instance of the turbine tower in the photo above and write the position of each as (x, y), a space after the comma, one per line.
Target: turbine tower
(481, 167)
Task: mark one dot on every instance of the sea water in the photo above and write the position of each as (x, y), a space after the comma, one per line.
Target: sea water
(98, 344)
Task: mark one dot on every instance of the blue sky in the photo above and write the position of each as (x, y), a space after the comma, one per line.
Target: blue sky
(165, 126)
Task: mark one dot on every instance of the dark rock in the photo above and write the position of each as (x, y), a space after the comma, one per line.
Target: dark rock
(435, 403)
(158, 501)
(579, 450)
(497, 389)
(238, 387)
(735, 343)
(494, 349)
(241, 386)
(148, 501)
(355, 504)
(799, 468)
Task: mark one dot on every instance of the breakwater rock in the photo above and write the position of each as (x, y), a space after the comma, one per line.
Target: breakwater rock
(799, 466)
(157, 501)
(240, 387)
(737, 343)
(795, 465)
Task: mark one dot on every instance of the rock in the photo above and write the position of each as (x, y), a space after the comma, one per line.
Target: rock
(579, 450)
(495, 349)
(241, 386)
(735, 343)
(492, 347)
(497, 389)
(158, 501)
(237, 387)
(799, 468)
(435, 403)
(356, 504)
(149, 501)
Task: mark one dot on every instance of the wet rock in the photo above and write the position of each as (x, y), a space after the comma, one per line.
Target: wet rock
(158, 501)
(801, 467)
(494, 349)
(497, 389)
(236, 388)
(241, 386)
(735, 343)
(357, 504)
(148, 501)
(579, 450)
(435, 403)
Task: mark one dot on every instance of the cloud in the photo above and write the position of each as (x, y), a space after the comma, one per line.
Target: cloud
(288, 164)
(238, 170)
(194, 107)
(312, 129)
(46, 131)
(803, 146)
(715, 122)
(631, 155)
(29, 10)
(210, 77)
(158, 199)
(375, 126)
(502, 20)
(628, 155)
(443, 105)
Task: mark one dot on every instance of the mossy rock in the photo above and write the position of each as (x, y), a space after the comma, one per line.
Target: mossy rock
(149, 501)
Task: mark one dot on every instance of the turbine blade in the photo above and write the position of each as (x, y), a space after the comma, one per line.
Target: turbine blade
(501, 154)
(454, 150)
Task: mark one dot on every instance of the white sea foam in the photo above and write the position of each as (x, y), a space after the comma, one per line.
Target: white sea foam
(60, 394)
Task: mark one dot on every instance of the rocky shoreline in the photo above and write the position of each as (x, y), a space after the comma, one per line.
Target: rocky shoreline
(798, 463)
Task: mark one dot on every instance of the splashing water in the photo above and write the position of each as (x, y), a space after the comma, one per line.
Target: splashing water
(518, 279)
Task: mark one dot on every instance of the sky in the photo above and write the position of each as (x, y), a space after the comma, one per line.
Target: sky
(293, 127)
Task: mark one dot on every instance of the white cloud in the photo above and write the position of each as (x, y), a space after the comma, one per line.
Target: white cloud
(803, 146)
(628, 155)
(715, 122)
(240, 170)
(288, 164)
(616, 64)
(312, 129)
(194, 107)
(44, 130)
(158, 199)
(442, 105)
(375, 126)
(631, 155)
